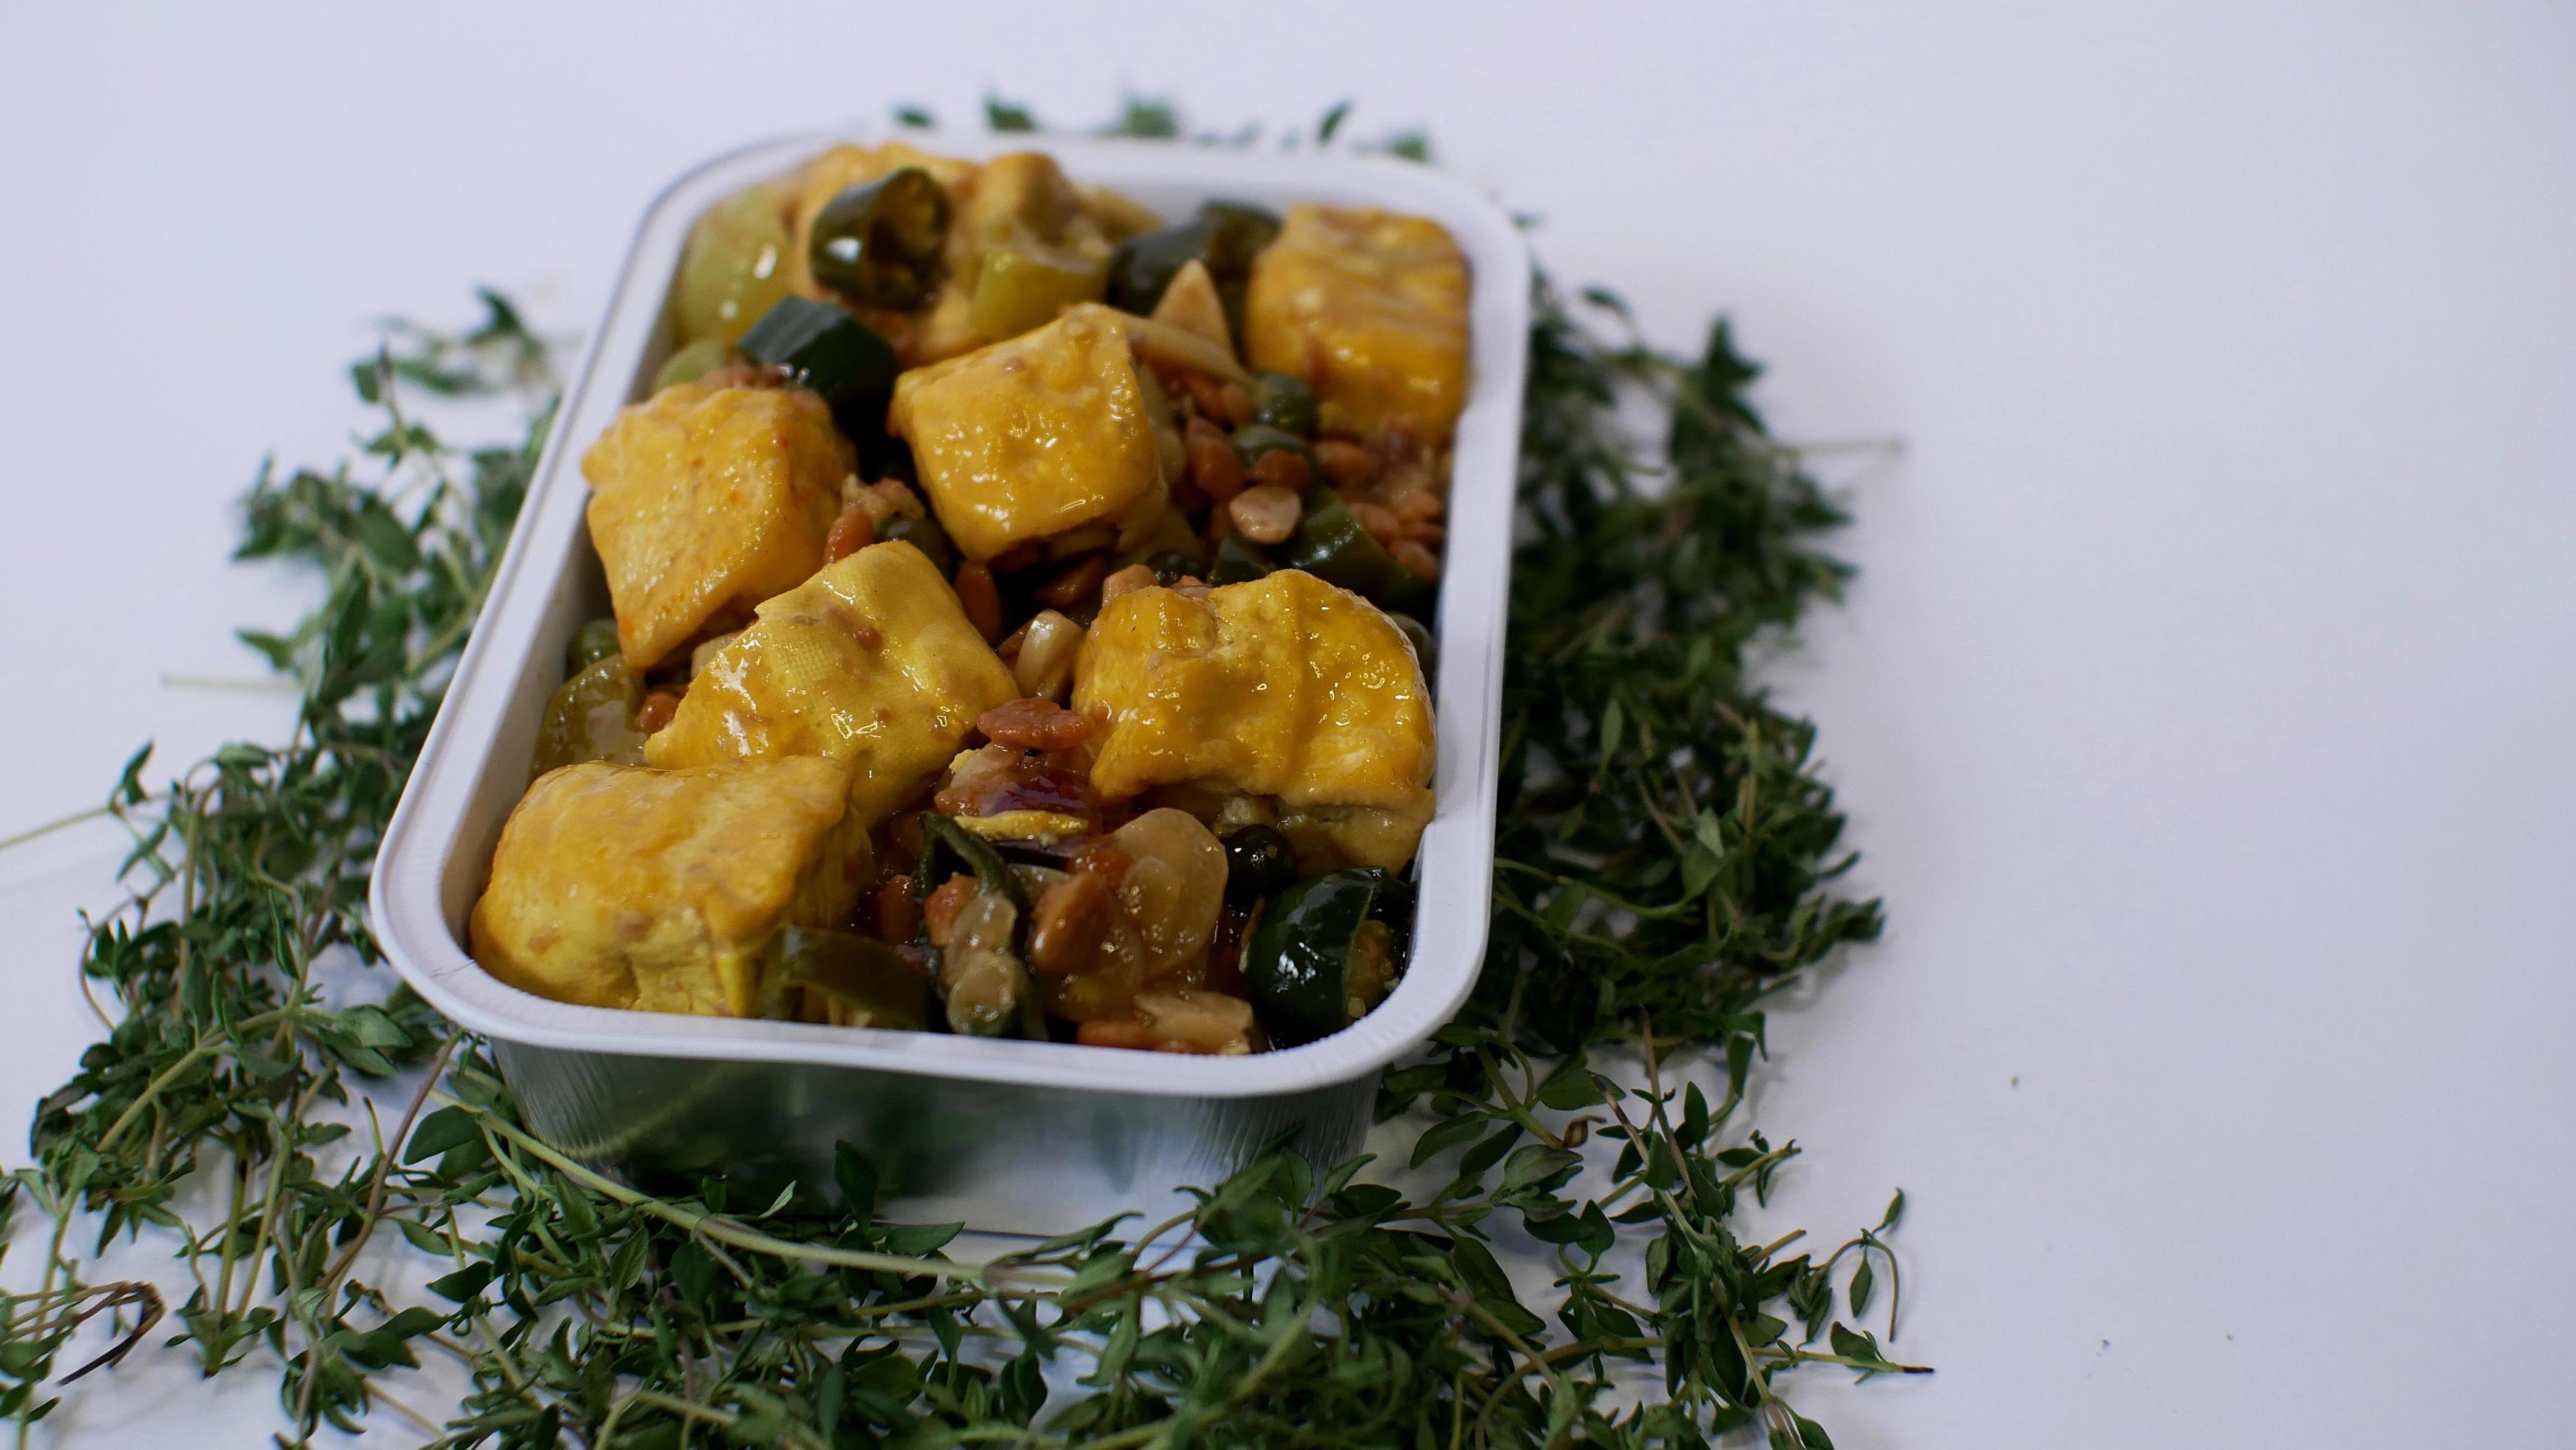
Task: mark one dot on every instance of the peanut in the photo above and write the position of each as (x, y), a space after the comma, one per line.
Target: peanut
(1346, 463)
(1076, 584)
(1213, 466)
(1265, 515)
(982, 601)
(1126, 581)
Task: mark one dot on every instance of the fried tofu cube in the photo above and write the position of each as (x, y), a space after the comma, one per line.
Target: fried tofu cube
(1030, 438)
(1370, 308)
(707, 499)
(872, 663)
(659, 890)
(1282, 686)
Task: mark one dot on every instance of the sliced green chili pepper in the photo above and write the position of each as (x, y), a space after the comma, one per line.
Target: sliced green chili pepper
(1324, 952)
(590, 644)
(1224, 235)
(1331, 545)
(1237, 559)
(1237, 231)
(877, 982)
(973, 852)
(985, 984)
(1254, 440)
(819, 345)
(880, 243)
(1282, 402)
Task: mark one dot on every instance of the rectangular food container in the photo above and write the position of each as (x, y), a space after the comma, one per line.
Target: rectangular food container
(1009, 1136)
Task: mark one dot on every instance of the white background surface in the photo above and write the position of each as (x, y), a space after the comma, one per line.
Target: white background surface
(2204, 706)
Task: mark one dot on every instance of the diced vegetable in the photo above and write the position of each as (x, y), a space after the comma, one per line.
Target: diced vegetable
(1250, 444)
(735, 265)
(1024, 285)
(1237, 560)
(819, 345)
(867, 983)
(590, 644)
(982, 972)
(1224, 235)
(592, 717)
(1283, 402)
(1331, 545)
(691, 363)
(1312, 962)
(1259, 863)
(880, 243)
(1171, 566)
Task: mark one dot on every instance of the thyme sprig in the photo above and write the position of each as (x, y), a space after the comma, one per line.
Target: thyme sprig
(1666, 857)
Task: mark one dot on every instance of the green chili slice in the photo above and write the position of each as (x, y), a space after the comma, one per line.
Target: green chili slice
(1331, 545)
(1325, 951)
(859, 972)
(880, 243)
(819, 345)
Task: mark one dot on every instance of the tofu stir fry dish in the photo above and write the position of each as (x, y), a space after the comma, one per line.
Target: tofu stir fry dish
(1018, 604)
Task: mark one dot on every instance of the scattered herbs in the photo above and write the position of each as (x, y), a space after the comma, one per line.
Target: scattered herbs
(1665, 861)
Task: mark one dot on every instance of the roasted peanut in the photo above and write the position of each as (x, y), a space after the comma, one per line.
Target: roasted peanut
(1076, 585)
(1345, 462)
(982, 601)
(1281, 468)
(852, 531)
(1126, 581)
(1213, 465)
(657, 710)
(941, 909)
(1267, 514)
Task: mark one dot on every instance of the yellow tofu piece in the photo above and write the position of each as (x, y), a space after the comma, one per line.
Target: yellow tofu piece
(621, 886)
(1029, 438)
(1281, 686)
(706, 499)
(871, 662)
(1370, 308)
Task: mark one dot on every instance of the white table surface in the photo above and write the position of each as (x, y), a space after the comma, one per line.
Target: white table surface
(2204, 706)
